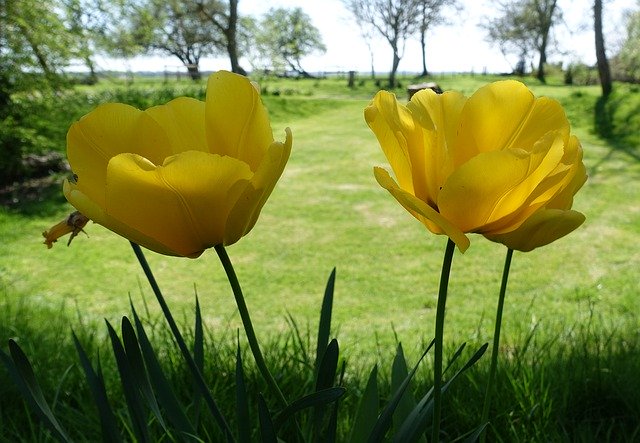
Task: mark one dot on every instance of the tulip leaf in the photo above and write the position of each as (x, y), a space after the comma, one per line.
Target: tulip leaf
(129, 387)
(138, 371)
(21, 372)
(383, 423)
(399, 372)
(367, 410)
(314, 399)
(416, 423)
(332, 427)
(325, 378)
(242, 403)
(98, 391)
(324, 327)
(161, 385)
(267, 429)
(198, 358)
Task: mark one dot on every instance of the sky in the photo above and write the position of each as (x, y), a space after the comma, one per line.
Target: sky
(460, 46)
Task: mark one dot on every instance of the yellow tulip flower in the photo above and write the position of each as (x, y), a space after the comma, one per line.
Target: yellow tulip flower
(181, 177)
(500, 163)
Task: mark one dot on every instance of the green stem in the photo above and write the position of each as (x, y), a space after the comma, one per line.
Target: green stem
(213, 407)
(439, 340)
(246, 322)
(496, 343)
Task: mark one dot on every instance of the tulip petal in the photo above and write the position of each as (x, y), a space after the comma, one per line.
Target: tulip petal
(183, 122)
(97, 214)
(168, 205)
(439, 116)
(110, 129)
(428, 216)
(503, 115)
(542, 228)
(237, 123)
(494, 185)
(244, 214)
(394, 128)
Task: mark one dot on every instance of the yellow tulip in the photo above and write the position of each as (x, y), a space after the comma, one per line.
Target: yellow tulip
(500, 163)
(181, 177)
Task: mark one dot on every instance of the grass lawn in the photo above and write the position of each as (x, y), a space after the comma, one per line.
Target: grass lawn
(328, 210)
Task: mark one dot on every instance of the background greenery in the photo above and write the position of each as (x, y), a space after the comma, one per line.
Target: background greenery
(571, 324)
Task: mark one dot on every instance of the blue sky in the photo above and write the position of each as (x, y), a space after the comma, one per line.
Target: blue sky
(458, 47)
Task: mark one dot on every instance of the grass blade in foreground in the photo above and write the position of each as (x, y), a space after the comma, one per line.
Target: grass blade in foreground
(367, 410)
(96, 383)
(324, 326)
(242, 403)
(22, 373)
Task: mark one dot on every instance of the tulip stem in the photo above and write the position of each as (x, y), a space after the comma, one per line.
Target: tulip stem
(181, 343)
(496, 343)
(439, 340)
(248, 325)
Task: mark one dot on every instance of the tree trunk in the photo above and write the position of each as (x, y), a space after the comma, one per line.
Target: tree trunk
(194, 71)
(542, 61)
(232, 44)
(394, 68)
(424, 53)
(601, 56)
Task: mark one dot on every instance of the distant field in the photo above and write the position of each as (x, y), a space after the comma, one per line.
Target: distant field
(328, 211)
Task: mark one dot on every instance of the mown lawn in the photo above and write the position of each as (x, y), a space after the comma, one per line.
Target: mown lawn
(328, 211)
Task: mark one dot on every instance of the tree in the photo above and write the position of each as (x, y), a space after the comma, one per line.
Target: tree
(174, 27)
(627, 61)
(226, 22)
(395, 20)
(601, 55)
(523, 26)
(432, 13)
(285, 37)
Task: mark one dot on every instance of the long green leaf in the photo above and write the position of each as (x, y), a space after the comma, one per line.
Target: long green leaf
(161, 385)
(399, 372)
(138, 371)
(21, 372)
(325, 377)
(129, 387)
(331, 432)
(198, 358)
(110, 432)
(324, 327)
(242, 402)
(416, 424)
(267, 429)
(367, 410)
(314, 399)
(383, 423)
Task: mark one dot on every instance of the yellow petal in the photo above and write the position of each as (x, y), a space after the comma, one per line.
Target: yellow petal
(109, 130)
(96, 213)
(431, 160)
(392, 125)
(434, 221)
(182, 120)
(504, 115)
(237, 123)
(542, 228)
(244, 214)
(494, 185)
(183, 204)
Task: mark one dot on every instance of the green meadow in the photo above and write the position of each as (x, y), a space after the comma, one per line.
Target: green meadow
(569, 354)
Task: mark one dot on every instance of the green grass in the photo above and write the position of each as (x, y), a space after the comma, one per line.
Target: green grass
(326, 211)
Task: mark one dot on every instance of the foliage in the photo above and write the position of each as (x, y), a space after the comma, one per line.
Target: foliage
(626, 64)
(523, 26)
(283, 38)
(394, 20)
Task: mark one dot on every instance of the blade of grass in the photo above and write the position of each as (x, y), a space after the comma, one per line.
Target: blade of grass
(324, 326)
(95, 379)
(314, 399)
(367, 410)
(267, 429)
(21, 372)
(242, 402)
(129, 387)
